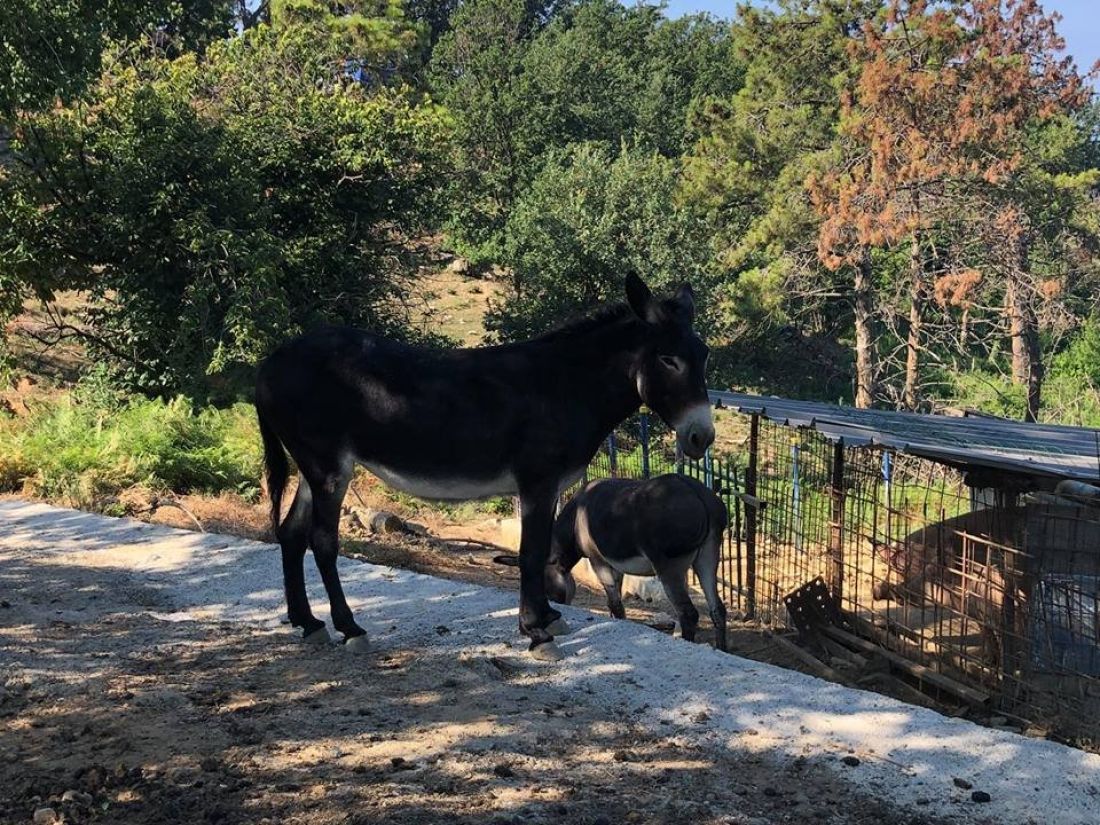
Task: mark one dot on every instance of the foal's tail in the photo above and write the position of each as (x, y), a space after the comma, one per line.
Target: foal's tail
(276, 466)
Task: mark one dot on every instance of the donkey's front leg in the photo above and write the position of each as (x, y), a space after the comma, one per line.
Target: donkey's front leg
(537, 619)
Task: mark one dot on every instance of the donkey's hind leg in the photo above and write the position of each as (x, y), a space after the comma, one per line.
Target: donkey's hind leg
(674, 580)
(293, 535)
(328, 494)
(706, 569)
(612, 581)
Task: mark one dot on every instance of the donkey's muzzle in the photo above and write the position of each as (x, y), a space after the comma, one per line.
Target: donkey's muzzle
(695, 431)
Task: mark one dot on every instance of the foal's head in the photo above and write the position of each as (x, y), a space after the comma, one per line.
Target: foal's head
(671, 370)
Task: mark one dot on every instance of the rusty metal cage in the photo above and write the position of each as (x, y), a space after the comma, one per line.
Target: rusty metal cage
(991, 590)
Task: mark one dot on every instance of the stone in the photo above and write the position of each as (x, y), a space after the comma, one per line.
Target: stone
(981, 796)
(850, 761)
(962, 783)
(45, 816)
(76, 797)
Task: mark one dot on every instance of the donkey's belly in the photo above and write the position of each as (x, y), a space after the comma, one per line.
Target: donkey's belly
(633, 566)
(445, 488)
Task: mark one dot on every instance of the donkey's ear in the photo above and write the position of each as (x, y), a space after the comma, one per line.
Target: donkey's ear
(641, 299)
(684, 300)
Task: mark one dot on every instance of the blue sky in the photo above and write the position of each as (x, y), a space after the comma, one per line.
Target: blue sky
(1080, 26)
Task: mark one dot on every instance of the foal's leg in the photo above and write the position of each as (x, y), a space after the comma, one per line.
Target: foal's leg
(328, 494)
(293, 534)
(612, 581)
(674, 580)
(706, 569)
(537, 619)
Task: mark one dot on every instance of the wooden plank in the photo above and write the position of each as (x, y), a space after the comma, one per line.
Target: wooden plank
(837, 649)
(807, 658)
(836, 524)
(969, 694)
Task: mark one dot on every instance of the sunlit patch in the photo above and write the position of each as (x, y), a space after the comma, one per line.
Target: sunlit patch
(424, 699)
(857, 723)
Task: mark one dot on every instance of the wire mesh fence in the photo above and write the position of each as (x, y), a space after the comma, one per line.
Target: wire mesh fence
(990, 589)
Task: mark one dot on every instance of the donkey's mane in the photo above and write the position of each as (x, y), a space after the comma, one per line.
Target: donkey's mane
(577, 327)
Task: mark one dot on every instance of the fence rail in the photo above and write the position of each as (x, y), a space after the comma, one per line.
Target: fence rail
(996, 593)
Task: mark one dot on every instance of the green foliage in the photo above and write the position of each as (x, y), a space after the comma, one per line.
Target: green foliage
(89, 447)
(747, 173)
(588, 217)
(476, 71)
(1080, 361)
(216, 176)
(987, 392)
(369, 38)
(52, 48)
(597, 71)
(212, 207)
(1069, 397)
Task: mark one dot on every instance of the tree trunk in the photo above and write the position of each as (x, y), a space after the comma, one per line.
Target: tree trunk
(916, 319)
(1017, 329)
(864, 307)
(1027, 359)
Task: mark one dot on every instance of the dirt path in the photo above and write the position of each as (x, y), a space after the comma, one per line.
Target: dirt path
(145, 672)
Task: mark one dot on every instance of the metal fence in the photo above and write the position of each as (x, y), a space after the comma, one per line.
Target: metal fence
(987, 596)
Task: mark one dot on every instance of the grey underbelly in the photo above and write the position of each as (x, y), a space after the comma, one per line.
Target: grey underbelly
(445, 488)
(633, 566)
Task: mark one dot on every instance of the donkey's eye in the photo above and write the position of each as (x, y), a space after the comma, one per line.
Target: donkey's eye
(671, 363)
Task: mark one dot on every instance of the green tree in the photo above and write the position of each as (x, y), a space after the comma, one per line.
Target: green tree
(605, 71)
(521, 85)
(747, 171)
(212, 207)
(589, 216)
(50, 49)
(476, 68)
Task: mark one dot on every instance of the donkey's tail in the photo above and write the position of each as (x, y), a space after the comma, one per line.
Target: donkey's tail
(275, 465)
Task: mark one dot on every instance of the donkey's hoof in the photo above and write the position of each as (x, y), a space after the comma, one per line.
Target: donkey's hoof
(547, 652)
(357, 644)
(559, 627)
(318, 637)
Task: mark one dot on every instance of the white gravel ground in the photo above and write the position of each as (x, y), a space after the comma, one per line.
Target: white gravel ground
(908, 756)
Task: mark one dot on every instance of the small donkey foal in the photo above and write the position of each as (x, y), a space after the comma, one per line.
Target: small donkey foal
(660, 527)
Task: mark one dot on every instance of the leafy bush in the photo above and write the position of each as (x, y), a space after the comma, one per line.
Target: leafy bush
(1067, 398)
(591, 215)
(80, 449)
(1081, 359)
(213, 205)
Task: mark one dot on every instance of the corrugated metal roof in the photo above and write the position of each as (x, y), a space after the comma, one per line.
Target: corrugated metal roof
(967, 441)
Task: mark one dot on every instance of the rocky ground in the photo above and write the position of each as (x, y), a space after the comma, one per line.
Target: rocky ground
(141, 683)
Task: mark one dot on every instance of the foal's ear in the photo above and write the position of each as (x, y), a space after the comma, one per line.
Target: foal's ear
(641, 299)
(684, 300)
